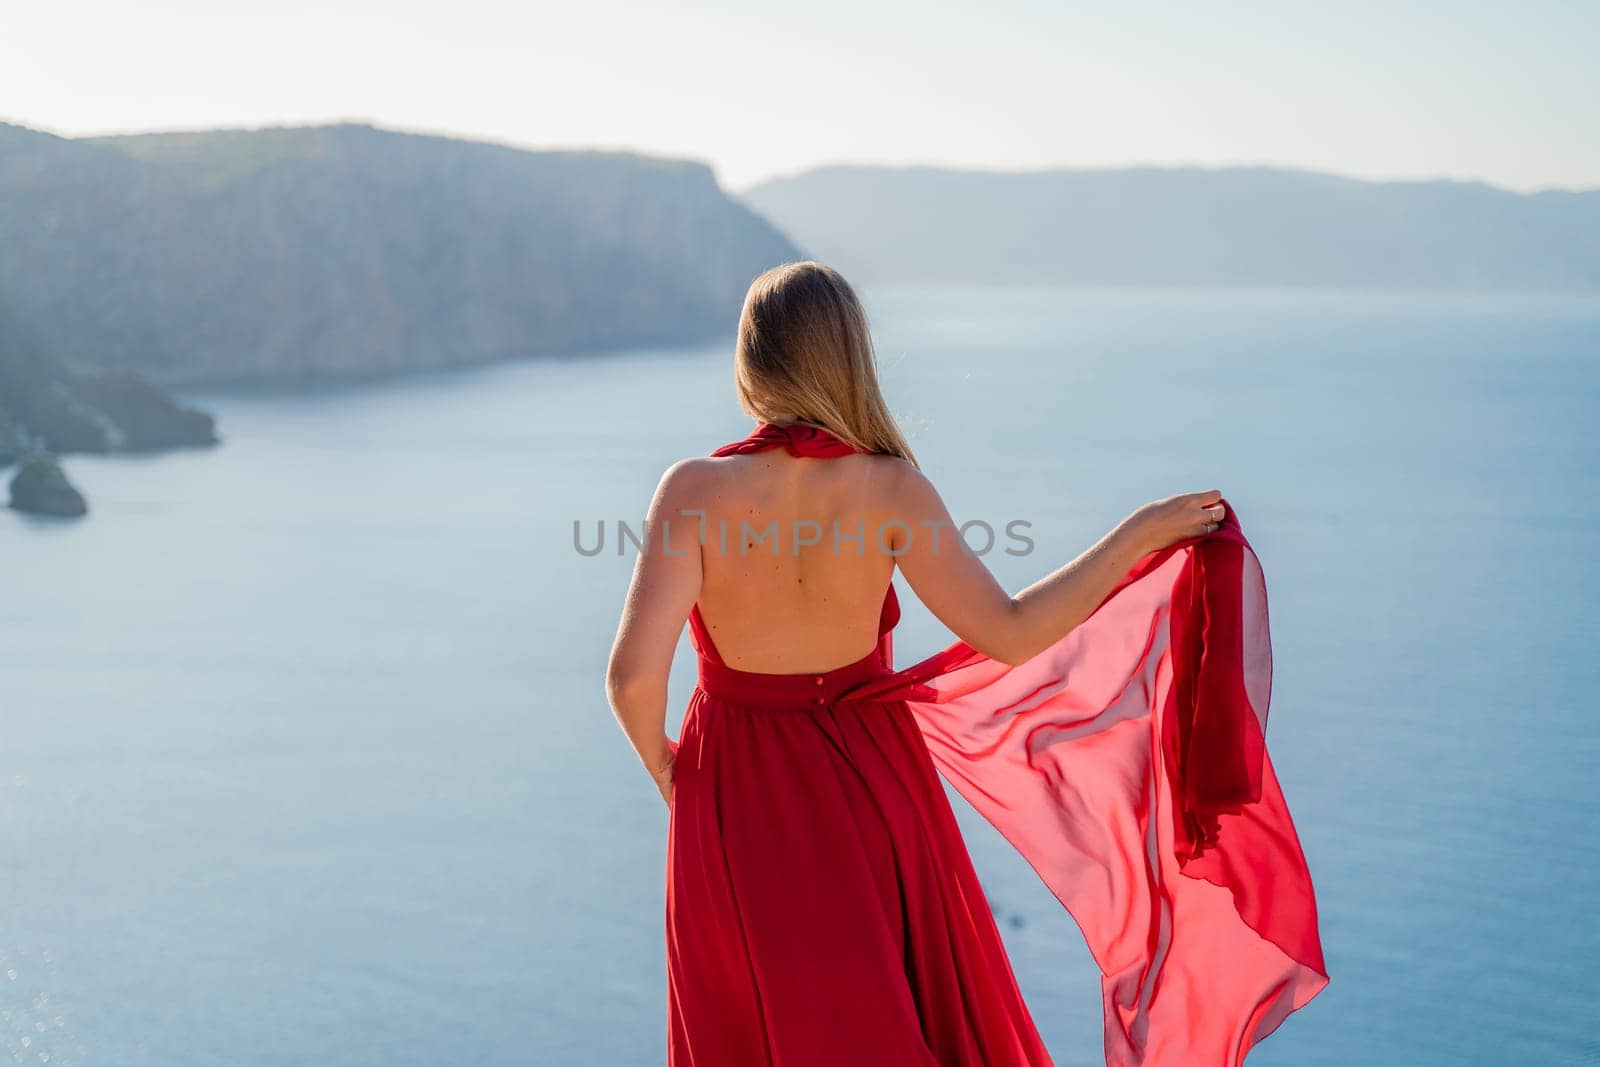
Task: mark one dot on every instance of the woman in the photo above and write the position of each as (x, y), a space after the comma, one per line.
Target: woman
(821, 906)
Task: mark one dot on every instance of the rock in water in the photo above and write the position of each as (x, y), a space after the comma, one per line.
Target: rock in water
(139, 417)
(40, 488)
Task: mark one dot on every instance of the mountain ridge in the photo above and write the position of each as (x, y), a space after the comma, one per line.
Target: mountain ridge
(1159, 168)
(1225, 227)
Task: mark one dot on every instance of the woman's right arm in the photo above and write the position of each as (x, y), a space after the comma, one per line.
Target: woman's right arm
(957, 587)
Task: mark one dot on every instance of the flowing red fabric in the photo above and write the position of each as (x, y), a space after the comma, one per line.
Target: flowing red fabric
(821, 904)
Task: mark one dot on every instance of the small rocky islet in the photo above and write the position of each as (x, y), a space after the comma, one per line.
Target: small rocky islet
(40, 488)
(47, 410)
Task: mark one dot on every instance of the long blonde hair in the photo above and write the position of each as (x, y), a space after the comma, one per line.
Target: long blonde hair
(805, 354)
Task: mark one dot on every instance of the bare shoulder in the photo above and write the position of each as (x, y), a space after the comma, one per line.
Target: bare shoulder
(686, 480)
(903, 485)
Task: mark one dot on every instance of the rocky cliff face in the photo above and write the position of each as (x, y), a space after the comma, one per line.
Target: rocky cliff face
(346, 251)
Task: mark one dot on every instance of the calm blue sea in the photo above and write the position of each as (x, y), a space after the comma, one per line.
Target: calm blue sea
(304, 756)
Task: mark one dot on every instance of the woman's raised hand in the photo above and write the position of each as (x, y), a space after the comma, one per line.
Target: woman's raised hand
(1177, 518)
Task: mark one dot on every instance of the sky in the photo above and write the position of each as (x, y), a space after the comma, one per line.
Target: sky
(1507, 93)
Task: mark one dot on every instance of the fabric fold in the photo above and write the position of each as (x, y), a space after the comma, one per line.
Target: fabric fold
(1127, 763)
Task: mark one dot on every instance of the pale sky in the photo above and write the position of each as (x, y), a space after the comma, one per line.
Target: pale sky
(1503, 92)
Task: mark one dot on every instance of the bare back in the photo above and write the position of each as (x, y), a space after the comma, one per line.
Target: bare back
(793, 572)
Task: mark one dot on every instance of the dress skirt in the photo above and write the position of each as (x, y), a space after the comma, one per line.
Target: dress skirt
(821, 905)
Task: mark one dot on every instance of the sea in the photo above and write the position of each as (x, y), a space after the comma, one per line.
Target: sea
(305, 755)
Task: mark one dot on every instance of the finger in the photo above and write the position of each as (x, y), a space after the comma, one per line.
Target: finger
(1208, 496)
(1216, 512)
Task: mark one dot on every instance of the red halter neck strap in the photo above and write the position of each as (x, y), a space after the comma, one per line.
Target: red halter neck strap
(796, 438)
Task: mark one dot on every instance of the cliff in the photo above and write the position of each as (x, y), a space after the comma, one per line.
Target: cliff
(295, 254)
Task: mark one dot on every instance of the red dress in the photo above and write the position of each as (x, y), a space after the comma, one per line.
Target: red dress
(822, 908)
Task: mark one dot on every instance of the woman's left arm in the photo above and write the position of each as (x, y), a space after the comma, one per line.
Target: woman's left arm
(666, 583)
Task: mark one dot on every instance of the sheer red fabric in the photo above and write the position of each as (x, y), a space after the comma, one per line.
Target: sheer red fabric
(821, 905)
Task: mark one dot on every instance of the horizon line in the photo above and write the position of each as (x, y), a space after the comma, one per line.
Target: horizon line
(995, 170)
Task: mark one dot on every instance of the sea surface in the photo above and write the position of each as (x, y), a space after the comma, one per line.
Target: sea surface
(304, 756)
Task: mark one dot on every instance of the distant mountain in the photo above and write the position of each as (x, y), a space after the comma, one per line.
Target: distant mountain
(1186, 227)
(347, 251)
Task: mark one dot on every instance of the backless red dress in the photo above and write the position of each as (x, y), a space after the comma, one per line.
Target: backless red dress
(821, 905)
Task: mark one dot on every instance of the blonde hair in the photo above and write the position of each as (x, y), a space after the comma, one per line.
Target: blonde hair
(805, 354)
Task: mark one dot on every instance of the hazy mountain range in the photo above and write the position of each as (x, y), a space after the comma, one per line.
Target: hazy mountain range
(341, 251)
(307, 254)
(1248, 227)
